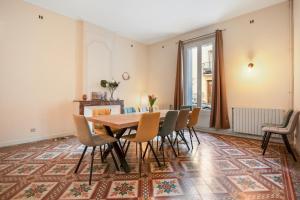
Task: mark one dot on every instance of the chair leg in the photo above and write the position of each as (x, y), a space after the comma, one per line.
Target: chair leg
(113, 157)
(191, 138)
(267, 142)
(288, 146)
(91, 167)
(151, 147)
(177, 147)
(196, 135)
(184, 140)
(263, 140)
(172, 146)
(145, 151)
(101, 154)
(140, 160)
(175, 138)
(163, 150)
(127, 148)
(80, 160)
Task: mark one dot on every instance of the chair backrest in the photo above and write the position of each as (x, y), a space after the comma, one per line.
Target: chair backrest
(169, 123)
(101, 111)
(129, 110)
(182, 119)
(287, 117)
(293, 122)
(98, 112)
(148, 127)
(83, 132)
(184, 107)
(193, 119)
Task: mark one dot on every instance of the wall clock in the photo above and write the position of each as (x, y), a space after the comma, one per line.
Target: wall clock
(125, 76)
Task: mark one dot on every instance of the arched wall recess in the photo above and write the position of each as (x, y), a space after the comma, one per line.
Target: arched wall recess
(98, 65)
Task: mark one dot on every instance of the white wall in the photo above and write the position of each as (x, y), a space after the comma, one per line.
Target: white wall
(297, 64)
(39, 65)
(265, 43)
(107, 56)
(43, 65)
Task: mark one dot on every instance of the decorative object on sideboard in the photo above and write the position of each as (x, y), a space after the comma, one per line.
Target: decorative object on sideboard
(151, 99)
(111, 86)
(99, 96)
(84, 97)
(125, 76)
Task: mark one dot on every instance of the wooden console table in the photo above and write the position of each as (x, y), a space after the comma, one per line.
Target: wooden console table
(83, 103)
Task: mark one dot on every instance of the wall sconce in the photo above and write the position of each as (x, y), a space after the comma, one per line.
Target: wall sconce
(250, 65)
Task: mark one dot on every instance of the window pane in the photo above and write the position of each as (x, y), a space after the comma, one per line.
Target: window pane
(206, 75)
(194, 75)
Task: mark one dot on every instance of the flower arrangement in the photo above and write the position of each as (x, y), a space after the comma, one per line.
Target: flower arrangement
(111, 86)
(151, 99)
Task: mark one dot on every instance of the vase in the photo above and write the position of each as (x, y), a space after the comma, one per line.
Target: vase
(150, 109)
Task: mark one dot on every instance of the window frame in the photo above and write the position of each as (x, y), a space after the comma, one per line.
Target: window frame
(187, 69)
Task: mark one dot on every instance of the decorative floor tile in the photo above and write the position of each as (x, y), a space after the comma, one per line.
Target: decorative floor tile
(60, 169)
(97, 169)
(3, 166)
(123, 189)
(62, 147)
(234, 152)
(275, 178)
(253, 163)
(203, 171)
(19, 156)
(35, 191)
(225, 165)
(5, 186)
(73, 156)
(247, 184)
(48, 156)
(189, 166)
(79, 190)
(166, 187)
(26, 169)
(134, 169)
(167, 168)
(274, 161)
(220, 144)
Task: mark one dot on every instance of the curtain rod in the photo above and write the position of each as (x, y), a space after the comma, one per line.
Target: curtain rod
(198, 37)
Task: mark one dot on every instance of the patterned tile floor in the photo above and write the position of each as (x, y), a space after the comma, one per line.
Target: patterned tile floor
(221, 167)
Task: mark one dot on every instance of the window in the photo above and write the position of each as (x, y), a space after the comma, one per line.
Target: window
(198, 67)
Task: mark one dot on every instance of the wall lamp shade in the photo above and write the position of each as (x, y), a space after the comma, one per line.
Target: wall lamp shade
(250, 65)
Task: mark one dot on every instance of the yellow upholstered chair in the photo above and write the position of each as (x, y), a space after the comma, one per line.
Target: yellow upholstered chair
(193, 120)
(147, 130)
(98, 128)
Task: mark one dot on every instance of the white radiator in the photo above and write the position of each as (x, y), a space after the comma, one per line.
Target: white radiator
(250, 120)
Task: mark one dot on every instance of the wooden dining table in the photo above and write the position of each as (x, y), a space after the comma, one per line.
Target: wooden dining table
(121, 122)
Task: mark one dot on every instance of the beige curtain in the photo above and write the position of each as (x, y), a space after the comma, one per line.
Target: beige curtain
(178, 95)
(219, 113)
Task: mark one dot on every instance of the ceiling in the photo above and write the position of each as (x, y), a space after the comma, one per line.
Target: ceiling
(150, 21)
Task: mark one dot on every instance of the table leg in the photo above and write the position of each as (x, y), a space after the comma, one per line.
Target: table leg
(117, 149)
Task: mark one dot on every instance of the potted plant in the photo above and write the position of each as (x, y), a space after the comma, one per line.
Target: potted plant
(111, 86)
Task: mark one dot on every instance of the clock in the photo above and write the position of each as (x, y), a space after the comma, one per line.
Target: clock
(125, 76)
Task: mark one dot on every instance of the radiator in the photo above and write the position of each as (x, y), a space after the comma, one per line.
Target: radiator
(250, 120)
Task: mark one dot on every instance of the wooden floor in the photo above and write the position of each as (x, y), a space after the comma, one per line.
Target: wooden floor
(221, 167)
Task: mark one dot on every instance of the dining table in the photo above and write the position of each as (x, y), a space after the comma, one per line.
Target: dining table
(120, 122)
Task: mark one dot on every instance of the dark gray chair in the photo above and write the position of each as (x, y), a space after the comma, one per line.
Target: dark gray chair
(284, 132)
(285, 122)
(181, 124)
(167, 129)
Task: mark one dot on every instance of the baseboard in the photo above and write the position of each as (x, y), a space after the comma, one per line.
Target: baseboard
(35, 139)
